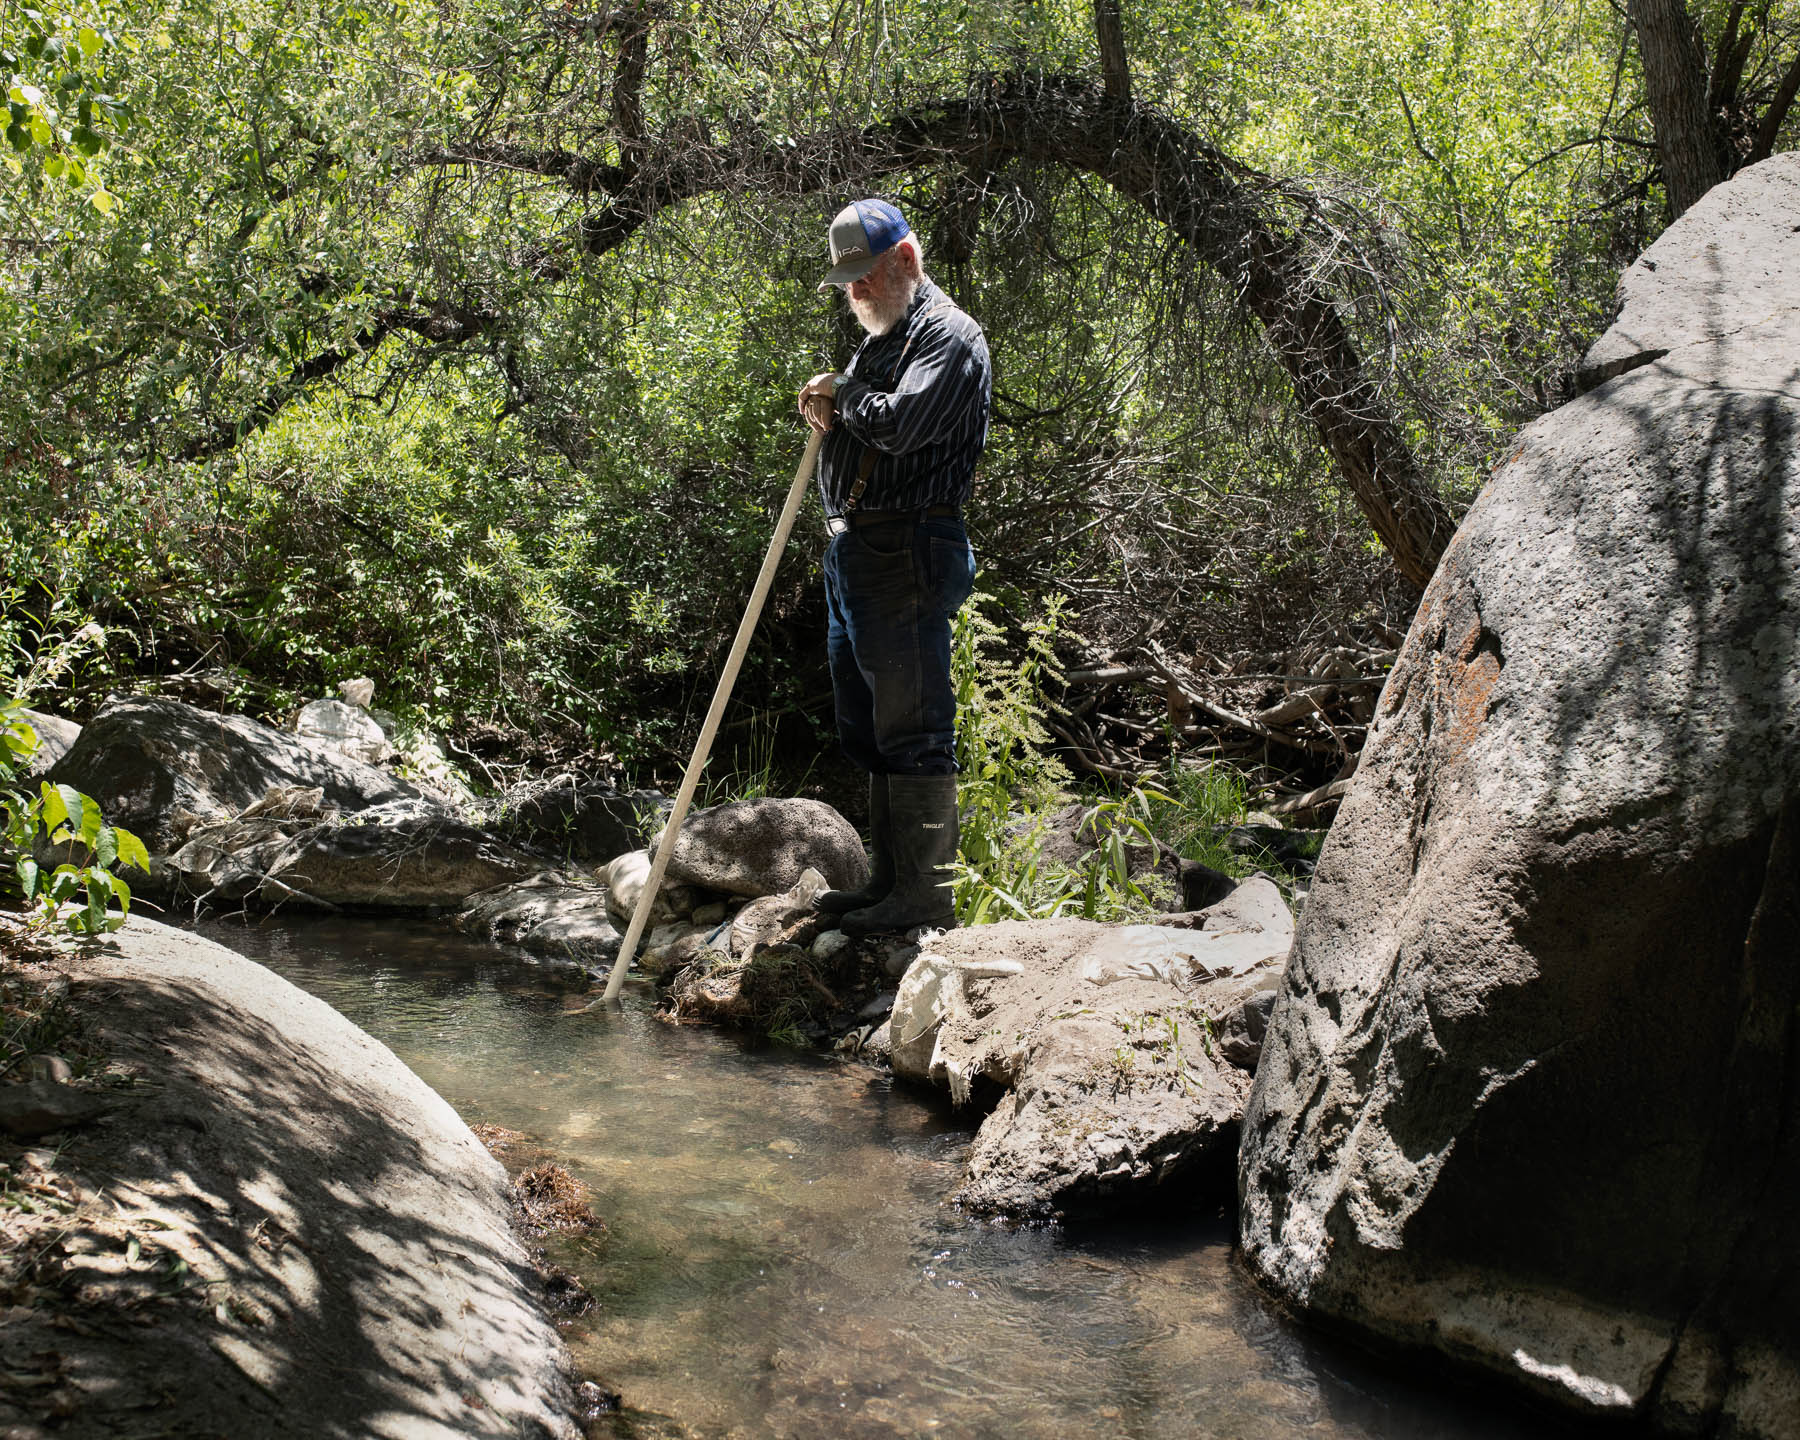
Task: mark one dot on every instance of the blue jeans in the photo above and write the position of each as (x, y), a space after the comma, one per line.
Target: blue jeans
(891, 588)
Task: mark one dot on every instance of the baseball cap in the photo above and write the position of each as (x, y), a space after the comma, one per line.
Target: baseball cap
(860, 235)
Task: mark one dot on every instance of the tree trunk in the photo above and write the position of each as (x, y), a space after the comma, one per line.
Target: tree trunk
(1676, 85)
(1109, 31)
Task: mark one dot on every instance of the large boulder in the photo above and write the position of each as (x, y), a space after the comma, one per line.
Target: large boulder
(326, 1248)
(1528, 1096)
(56, 738)
(157, 765)
(392, 857)
(1105, 1042)
(762, 847)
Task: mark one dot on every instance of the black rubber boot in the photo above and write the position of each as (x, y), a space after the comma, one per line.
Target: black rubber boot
(881, 859)
(923, 826)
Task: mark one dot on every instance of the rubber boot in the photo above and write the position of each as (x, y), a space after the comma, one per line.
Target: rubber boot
(923, 825)
(881, 859)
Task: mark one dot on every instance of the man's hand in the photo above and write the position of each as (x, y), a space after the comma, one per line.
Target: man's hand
(818, 405)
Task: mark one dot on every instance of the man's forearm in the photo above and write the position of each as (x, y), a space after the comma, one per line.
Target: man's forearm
(939, 389)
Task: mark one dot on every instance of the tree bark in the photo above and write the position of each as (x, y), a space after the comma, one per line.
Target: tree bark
(1677, 87)
(1109, 31)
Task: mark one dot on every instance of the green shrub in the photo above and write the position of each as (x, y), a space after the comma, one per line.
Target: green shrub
(1011, 787)
(65, 817)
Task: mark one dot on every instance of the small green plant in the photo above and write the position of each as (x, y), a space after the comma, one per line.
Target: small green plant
(758, 774)
(66, 817)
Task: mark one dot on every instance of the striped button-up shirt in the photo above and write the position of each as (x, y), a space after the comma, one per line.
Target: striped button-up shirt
(922, 407)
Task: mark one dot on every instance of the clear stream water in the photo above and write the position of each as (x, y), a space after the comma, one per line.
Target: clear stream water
(778, 1259)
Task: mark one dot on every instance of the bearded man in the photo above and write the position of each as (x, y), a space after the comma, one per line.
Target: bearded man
(904, 426)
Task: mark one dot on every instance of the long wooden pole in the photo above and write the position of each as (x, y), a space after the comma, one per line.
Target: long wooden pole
(640, 915)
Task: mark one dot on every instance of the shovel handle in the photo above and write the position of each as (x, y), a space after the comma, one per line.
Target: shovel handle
(640, 915)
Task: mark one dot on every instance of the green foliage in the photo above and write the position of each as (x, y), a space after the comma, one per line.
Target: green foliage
(1011, 790)
(1187, 812)
(547, 525)
(1002, 754)
(60, 116)
(62, 816)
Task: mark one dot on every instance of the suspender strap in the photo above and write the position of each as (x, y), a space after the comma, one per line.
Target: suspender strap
(865, 467)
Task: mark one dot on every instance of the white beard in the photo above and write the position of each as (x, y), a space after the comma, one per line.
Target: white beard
(881, 313)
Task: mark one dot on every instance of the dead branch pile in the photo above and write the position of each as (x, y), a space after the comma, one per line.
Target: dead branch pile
(1294, 721)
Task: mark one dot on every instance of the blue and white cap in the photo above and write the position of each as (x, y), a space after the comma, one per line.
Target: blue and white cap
(860, 235)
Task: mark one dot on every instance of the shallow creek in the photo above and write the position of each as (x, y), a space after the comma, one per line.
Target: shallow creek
(778, 1259)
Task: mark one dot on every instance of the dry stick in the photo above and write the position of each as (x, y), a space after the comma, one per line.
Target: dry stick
(1312, 799)
(1236, 721)
(640, 916)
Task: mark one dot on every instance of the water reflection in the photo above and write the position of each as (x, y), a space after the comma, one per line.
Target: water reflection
(778, 1261)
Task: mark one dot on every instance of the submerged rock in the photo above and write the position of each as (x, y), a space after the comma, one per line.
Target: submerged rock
(761, 847)
(563, 917)
(1528, 1094)
(1103, 1039)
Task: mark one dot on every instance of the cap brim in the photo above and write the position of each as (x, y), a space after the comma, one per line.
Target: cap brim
(850, 270)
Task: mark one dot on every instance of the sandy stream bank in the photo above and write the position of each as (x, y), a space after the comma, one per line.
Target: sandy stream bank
(278, 1231)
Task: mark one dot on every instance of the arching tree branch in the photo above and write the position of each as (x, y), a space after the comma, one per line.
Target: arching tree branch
(1221, 209)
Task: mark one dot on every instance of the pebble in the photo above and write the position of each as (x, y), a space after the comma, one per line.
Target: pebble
(830, 943)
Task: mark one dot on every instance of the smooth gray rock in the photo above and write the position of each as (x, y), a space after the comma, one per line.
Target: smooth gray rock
(56, 737)
(391, 860)
(348, 729)
(296, 1166)
(761, 847)
(1729, 264)
(562, 917)
(148, 761)
(1528, 1095)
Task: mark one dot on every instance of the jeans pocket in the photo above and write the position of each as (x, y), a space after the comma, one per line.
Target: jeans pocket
(952, 572)
(886, 541)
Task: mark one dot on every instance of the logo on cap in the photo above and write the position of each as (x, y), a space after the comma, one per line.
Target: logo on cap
(860, 234)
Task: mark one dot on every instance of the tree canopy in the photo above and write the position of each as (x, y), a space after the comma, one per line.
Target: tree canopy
(457, 343)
